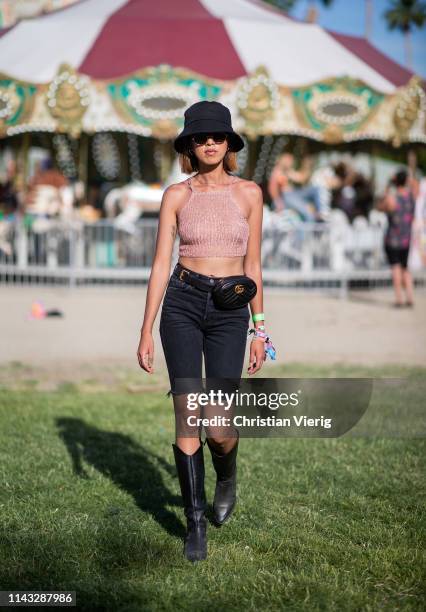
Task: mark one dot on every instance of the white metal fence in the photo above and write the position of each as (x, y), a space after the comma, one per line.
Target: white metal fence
(333, 256)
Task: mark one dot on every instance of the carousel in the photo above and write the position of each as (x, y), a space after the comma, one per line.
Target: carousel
(103, 85)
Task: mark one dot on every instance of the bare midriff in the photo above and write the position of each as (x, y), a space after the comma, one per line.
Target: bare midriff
(214, 266)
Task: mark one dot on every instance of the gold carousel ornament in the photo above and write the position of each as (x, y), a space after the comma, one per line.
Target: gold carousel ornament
(257, 100)
(68, 98)
(164, 129)
(410, 106)
(333, 134)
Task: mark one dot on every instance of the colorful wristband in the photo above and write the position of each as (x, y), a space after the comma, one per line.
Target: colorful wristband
(269, 347)
(258, 317)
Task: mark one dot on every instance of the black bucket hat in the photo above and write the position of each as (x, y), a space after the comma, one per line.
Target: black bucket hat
(207, 116)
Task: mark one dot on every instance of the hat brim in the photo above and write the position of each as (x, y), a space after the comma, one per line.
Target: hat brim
(180, 143)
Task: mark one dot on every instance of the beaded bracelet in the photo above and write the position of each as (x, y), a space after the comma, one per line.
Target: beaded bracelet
(269, 347)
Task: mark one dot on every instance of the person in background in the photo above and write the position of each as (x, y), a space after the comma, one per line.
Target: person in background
(9, 202)
(417, 254)
(289, 188)
(364, 195)
(9, 207)
(354, 195)
(344, 195)
(328, 179)
(278, 181)
(46, 176)
(49, 175)
(399, 204)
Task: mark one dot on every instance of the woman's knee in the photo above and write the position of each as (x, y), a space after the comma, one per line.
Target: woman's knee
(188, 445)
(221, 444)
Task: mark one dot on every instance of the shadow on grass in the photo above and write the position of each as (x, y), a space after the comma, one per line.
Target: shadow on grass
(128, 464)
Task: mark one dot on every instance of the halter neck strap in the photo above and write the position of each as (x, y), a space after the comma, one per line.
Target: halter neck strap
(222, 188)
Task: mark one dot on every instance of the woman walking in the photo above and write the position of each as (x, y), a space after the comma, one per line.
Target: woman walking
(399, 203)
(218, 217)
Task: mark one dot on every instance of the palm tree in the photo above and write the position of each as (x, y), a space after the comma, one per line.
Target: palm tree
(405, 15)
(368, 18)
(312, 15)
(284, 5)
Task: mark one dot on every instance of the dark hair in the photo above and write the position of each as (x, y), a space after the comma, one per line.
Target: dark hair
(47, 163)
(341, 170)
(400, 178)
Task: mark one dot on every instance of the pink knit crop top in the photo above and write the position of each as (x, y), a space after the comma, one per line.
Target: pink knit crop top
(211, 224)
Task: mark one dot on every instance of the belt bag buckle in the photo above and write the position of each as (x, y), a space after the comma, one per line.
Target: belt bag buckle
(233, 291)
(191, 280)
(181, 273)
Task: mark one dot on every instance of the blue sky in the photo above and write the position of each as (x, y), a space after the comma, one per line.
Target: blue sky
(348, 17)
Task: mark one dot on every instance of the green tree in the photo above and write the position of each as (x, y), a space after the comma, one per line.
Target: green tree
(405, 15)
(323, 2)
(284, 5)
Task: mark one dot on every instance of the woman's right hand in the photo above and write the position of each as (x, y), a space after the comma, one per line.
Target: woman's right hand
(257, 355)
(145, 352)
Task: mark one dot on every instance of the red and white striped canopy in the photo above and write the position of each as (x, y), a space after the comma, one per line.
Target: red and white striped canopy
(224, 39)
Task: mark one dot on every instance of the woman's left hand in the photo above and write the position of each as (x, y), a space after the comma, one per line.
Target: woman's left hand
(257, 356)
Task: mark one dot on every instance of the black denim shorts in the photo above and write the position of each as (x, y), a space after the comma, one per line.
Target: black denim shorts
(191, 325)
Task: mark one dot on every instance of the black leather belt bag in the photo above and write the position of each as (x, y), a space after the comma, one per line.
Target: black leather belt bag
(228, 292)
(232, 292)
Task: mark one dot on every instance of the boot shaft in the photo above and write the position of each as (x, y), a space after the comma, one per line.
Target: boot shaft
(225, 465)
(190, 469)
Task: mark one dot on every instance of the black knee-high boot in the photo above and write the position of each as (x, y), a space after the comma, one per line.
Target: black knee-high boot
(225, 495)
(190, 469)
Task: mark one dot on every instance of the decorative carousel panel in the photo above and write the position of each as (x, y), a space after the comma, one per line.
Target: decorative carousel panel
(343, 105)
(152, 101)
(157, 97)
(106, 155)
(16, 103)
(66, 154)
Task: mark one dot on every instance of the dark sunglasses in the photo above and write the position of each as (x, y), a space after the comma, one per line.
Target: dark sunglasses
(202, 138)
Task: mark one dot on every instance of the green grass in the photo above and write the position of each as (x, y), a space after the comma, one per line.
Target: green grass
(89, 501)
